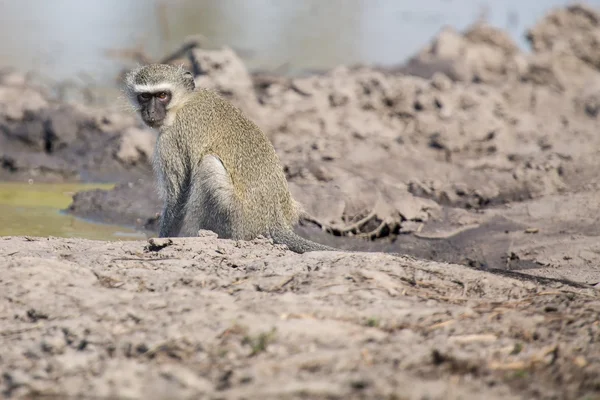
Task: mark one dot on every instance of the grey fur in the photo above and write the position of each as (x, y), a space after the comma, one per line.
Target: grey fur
(216, 169)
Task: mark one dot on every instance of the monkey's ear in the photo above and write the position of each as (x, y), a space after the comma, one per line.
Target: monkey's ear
(190, 78)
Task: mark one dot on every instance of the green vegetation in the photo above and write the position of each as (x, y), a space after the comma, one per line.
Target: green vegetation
(260, 342)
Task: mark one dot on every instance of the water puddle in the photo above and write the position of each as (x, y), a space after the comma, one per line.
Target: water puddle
(37, 210)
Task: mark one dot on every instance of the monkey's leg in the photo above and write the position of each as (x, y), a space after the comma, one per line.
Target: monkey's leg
(212, 203)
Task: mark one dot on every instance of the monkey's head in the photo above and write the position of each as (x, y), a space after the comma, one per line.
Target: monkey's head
(155, 90)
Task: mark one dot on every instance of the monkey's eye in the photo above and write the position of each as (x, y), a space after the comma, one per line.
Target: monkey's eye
(144, 96)
(162, 95)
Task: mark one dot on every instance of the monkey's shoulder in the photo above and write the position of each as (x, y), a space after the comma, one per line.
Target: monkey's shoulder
(209, 100)
(219, 115)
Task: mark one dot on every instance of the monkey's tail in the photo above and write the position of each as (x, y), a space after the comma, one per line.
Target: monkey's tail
(297, 243)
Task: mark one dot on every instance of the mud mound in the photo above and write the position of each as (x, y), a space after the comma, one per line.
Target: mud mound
(572, 30)
(45, 140)
(216, 318)
(481, 54)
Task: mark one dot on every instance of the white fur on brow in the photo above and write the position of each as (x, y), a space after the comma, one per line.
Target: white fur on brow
(159, 87)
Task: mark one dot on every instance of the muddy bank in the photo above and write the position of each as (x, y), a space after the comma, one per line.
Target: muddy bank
(443, 158)
(531, 237)
(133, 204)
(220, 319)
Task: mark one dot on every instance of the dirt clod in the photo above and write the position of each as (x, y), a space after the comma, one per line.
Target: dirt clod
(156, 245)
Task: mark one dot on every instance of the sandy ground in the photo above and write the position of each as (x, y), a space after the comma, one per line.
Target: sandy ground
(476, 161)
(222, 319)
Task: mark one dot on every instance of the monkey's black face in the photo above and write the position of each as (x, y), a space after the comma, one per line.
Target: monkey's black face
(153, 107)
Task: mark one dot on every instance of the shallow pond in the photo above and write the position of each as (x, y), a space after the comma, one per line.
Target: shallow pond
(37, 210)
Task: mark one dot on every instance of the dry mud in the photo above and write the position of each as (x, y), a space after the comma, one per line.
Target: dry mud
(211, 318)
(475, 157)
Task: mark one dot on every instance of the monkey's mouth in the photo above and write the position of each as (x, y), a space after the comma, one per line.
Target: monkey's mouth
(154, 123)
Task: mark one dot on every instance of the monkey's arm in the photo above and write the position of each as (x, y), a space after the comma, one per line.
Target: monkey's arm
(173, 212)
(171, 219)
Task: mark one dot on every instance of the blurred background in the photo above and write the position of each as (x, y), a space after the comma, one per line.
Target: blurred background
(79, 40)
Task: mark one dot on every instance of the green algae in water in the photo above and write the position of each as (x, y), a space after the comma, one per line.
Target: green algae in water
(36, 210)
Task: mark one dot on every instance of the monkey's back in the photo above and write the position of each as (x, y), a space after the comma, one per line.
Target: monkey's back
(248, 156)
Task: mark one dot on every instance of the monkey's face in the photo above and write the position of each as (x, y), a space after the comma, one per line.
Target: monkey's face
(153, 107)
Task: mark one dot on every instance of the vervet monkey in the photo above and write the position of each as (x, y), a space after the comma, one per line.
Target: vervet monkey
(216, 169)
